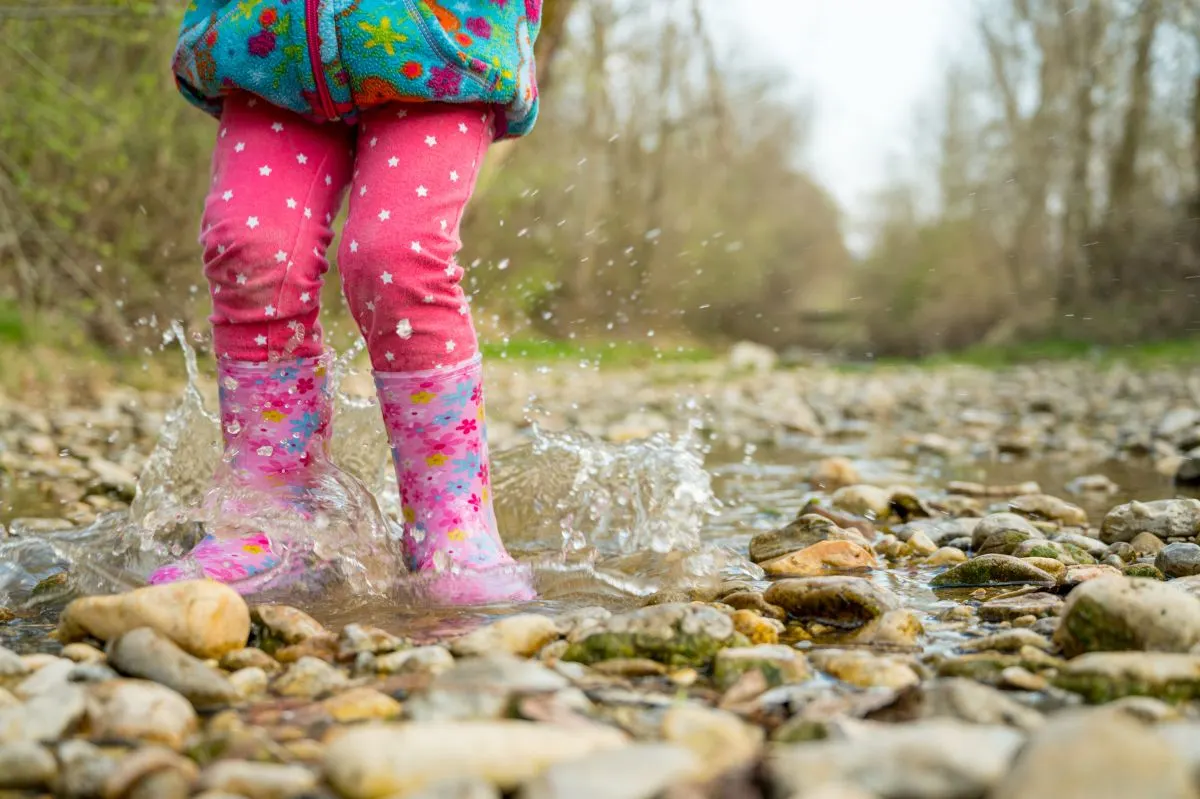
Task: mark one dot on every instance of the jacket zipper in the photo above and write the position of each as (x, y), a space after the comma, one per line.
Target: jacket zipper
(312, 23)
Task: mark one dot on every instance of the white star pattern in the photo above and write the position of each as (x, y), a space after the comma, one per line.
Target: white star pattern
(450, 345)
(393, 162)
(404, 329)
(370, 306)
(443, 223)
(389, 357)
(462, 127)
(260, 340)
(239, 147)
(422, 191)
(241, 279)
(401, 114)
(291, 203)
(220, 249)
(464, 309)
(363, 191)
(228, 195)
(308, 213)
(252, 222)
(385, 215)
(301, 158)
(386, 277)
(354, 246)
(450, 268)
(224, 132)
(329, 180)
(277, 127)
(265, 171)
(431, 141)
(216, 289)
(453, 176)
(280, 257)
(374, 140)
(269, 310)
(305, 297)
(427, 299)
(416, 246)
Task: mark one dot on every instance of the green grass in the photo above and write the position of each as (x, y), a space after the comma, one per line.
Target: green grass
(612, 353)
(1145, 355)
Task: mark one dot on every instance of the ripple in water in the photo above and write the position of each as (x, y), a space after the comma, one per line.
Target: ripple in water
(598, 521)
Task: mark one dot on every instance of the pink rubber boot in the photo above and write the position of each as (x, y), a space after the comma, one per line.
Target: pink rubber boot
(275, 422)
(435, 421)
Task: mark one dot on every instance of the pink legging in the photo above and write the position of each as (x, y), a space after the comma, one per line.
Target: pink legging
(278, 182)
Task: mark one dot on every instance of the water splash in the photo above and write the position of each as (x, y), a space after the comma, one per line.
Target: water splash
(598, 521)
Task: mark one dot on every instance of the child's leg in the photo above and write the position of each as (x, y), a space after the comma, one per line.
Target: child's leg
(277, 183)
(415, 172)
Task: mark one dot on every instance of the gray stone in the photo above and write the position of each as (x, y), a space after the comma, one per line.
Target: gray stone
(935, 759)
(967, 700)
(1165, 518)
(1039, 605)
(147, 654)
(1098, 754)
(1179, 559)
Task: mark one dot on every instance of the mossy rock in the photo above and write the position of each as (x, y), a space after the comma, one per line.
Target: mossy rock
(1147, 570)
(845, 602)
(1120, 614)
(778, 664)
(1101, 677)
(1006, 542)
(993, 570)
(808, 529)
(673, 634)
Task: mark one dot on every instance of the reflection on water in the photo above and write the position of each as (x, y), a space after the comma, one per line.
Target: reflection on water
(600, 523)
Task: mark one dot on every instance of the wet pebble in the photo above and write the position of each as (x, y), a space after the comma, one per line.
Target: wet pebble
(258, 780)
(523, 634)
(1179, 559)
(379, 761)
(309, 677)
(203, 617)
(139, 710)
(145, 653)
(26, 767)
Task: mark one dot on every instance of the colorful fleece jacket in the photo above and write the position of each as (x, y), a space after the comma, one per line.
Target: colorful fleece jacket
(329, 59)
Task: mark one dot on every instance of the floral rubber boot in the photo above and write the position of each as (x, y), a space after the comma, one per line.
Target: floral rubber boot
(435, 421)
(275, 420)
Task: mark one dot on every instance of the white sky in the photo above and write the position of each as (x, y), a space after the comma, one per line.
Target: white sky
(868, 65)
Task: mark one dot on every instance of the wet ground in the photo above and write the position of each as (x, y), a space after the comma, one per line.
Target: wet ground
(753, 582)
